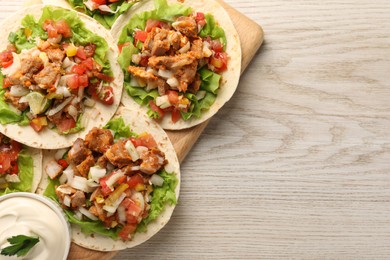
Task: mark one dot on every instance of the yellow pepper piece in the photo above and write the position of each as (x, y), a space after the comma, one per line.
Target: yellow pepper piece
(27, 32)
(71, 50)
(140, 187)
(116, 194)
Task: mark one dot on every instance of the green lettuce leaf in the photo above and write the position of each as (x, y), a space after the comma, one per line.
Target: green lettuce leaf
(210, 80)
(119, 127)
(26, 174)
(213, 30)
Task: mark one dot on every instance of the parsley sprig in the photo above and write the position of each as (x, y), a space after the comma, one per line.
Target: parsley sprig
(20, 245)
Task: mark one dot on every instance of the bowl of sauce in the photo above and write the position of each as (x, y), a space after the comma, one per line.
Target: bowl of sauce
(30, 214)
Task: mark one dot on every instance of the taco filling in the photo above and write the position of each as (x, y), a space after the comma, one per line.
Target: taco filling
(16, 167)
(173, 64)
(104, 11)
(51, 73)
(113, 182)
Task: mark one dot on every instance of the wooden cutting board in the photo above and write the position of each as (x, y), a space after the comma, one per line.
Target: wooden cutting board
(251, 37)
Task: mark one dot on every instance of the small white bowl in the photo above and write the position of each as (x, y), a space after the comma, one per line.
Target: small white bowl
(23, 213)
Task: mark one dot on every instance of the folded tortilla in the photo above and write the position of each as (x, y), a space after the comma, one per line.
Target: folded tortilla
(138, 123)
(230, 77)
(96, 116)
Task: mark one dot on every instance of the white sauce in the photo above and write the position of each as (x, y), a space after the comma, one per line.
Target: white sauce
(27, 216)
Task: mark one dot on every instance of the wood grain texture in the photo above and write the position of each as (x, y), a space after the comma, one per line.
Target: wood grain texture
(296, 165)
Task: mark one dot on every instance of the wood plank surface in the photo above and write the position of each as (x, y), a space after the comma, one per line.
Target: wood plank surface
(296, 165)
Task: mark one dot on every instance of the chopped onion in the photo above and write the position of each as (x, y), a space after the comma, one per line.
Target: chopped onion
(134, 82)
(67, 63)
(132, 151)
(163, 101)
(88, 214)
(81, 183)
(12, 178)
(141, 149)
(23, 99)
(185, 48)
(92, 184)
(58, 108)
(53, 169)
(89, 102)
(113, 178)
(65, 189)
(95, 173)
(80, 93)
(60, 153)
(66, 200)
(72, 111)
(206, 49)
(63, 90)
(156, 180)
(112, 208)
(15, 66)
(84, 120)
(166, 74)
(121, 214)
(201, 94)
(63, 178)
(138, 198)
(136, 58)
(18, 91)
(106, 9)
(78, 215)
(173, 82)
(69, 173)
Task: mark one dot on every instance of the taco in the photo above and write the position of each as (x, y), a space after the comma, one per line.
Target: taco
(181, 61)
(103, 11)
(58, 76)
(20, 167)
(118, 186)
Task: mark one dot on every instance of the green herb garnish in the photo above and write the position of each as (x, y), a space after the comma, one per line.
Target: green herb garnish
(20, 245)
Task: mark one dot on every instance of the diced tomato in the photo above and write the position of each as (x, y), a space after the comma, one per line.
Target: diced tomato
(132, 209)
(200, 19)
(5, 162)
(78, 69)
(140, 36)
(50, 27)
(156, 108)
(106, 95)
(63, 28)
(64, 164)
(120, 46)
(88, 63)
(216, 46)
(6, 59)
(14, 150)
(173, 97)
(83, 80)
(126, 231)
(6, 83)
(14, 168)
(66, 124)
(176, 115)
(81, 53)
(144, 61)
(219, 61)
(103, 77)
(38, 124)
(73, 81)
(150, 24)
(135, 180)
(146, 139)
(100, 2)
(104, 187)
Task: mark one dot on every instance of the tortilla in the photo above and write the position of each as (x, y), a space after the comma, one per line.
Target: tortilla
(230, 77)
(98, 115)
(106, 19)
(30, 162)
(138, 123)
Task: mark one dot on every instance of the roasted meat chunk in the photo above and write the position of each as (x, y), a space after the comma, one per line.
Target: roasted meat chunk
(118, 154)
(186, 25)
(84, 166)
(99, 140)
(47, 76)
(79, 152)
(152, 161)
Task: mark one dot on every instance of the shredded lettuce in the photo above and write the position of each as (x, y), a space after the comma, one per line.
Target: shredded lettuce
(161, 196)
(107, 19)
(26, 174)
(7, 115)
(168, 12)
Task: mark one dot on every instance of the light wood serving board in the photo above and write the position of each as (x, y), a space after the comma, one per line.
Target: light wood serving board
(251, 37)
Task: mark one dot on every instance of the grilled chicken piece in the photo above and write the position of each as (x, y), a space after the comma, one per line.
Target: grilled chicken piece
(141, 73)
(99, 140)
(186, 25)
(118, 154)
(31, 65)
(15, 101)
(77, 199)
(152, 161)
(84, 166)
(171, 62)
(55, 54)
(79, 152)
(102, 162)
(48, 76)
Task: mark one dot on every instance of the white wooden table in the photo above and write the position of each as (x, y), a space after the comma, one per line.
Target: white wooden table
(297, 164)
